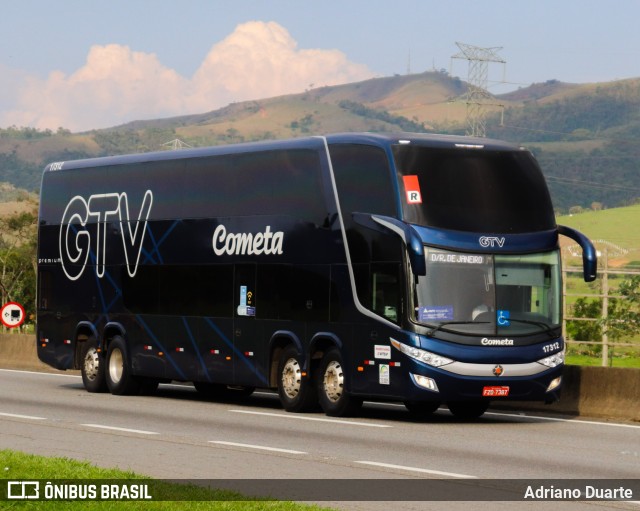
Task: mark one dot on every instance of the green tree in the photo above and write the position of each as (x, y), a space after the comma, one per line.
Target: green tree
(624, 314)
(18, 235)
(585, 331)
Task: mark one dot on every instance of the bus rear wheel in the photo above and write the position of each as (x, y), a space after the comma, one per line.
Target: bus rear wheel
(92, 366)
(332, 394)
(295, 390)
(120, 381)
(468, 410)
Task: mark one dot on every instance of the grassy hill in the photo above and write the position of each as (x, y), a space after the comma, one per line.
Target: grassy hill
(616, 231)
(583, 134)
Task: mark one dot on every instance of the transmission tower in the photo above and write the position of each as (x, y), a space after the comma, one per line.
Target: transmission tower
(176, 144)
(477, 98)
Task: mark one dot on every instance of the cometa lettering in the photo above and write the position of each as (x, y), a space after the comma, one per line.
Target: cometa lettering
(267, 242)
(496, 342)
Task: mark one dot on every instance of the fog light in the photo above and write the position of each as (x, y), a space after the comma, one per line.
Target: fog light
(425, 382)
(555, 383)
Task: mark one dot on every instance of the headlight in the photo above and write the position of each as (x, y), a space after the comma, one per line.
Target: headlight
(422, 355)
(553, 360)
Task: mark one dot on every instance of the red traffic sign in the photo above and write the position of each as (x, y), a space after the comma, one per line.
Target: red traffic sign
(12, 314)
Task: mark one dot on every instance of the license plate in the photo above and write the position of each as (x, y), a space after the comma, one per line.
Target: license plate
(495, 391)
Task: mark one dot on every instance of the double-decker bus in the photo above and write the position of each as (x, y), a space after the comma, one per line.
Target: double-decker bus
(415, 268)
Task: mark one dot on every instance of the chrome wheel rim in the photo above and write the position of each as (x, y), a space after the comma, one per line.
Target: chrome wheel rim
(91, 364)
(333, 381)
(116, 365)
(291, 378)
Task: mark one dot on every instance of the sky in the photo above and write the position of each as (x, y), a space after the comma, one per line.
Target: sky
(89, 64)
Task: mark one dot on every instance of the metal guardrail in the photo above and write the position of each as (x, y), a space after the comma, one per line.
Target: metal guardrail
(603, 275)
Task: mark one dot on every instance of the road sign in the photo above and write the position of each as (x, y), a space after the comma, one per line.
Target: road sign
(12, 314)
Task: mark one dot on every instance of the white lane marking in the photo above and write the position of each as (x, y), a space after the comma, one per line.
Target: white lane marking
(17, 416)
(125, 430)
(511, 415)
(557, 419)
(382, 403)
(260, 447)
(58, 375)
(415, 469)
(317, 419)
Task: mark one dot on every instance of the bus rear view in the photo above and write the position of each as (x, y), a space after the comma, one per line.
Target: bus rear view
(414, 268)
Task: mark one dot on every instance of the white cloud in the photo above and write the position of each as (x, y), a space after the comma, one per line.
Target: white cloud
(117, 84)
(262, 60)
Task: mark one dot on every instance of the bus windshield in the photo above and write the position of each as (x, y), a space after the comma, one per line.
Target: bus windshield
(485, 294)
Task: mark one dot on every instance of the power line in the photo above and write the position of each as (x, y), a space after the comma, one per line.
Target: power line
(542, 157)
(590, 183)
(477, 97)
(176, 144)
(593, 137)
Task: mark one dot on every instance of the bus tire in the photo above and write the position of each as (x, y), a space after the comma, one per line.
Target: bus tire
(92, 365)
(296, 391)
(468, 410)
(333, 397)
(422, 409)
(118, 369)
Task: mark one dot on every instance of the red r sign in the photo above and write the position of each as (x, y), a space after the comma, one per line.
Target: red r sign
(412, 188)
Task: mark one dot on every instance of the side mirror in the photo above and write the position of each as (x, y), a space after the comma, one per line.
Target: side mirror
(589, 255)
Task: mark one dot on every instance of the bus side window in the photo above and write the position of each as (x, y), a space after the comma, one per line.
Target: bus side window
(385, 290)
(45, 290)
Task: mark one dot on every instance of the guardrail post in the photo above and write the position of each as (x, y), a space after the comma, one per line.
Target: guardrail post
(605, 307)
(565, 275)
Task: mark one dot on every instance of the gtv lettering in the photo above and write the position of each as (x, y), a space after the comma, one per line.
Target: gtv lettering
(75, 243)
(491, 241)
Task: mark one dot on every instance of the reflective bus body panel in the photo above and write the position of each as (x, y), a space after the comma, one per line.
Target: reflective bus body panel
(209, 261)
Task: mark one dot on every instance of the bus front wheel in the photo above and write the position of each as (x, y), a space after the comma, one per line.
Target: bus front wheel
(332, 394)
(294, 388)
(468, 410)
(422, 409)
(118, 369)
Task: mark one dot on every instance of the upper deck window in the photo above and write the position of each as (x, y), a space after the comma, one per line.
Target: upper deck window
(475, 190)
(363, 178)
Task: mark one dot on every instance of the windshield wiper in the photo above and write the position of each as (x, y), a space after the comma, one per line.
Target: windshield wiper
(446, 323)
(547, 329)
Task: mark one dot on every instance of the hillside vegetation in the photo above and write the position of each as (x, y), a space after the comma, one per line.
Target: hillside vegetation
(583, 135)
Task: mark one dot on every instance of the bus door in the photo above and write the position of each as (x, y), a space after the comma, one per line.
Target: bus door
(246, 340)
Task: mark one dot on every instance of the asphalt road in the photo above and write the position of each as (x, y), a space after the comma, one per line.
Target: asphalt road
(176, 434)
